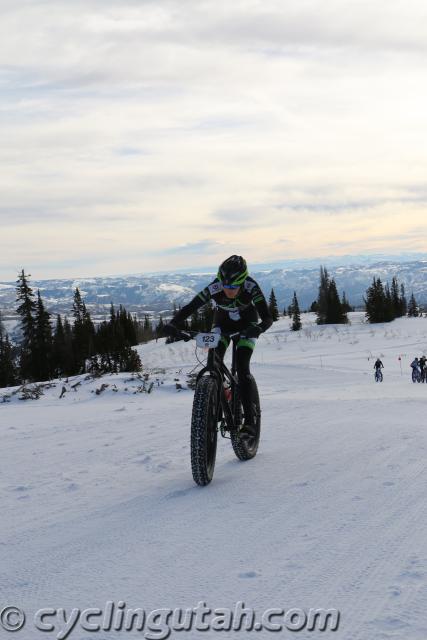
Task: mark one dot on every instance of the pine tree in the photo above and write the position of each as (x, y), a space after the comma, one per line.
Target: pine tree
(159, 327)
(84, 335)
(147, 330)
(70, 366)
(58, 348)
(272, 305)
(78, 331)
(329, 308)
(112, 314)
(335, 313)
(63, 361)
(322, 297)
(395, 298)
(412, 307)
(78, 307)
(88, 333)
(132, 329)
(375, 302)
(388, 304)
(113, 340)
(296, 315)
(8, 371)
(43, 342)
(26, 309)
(129, 360)
(403, 301)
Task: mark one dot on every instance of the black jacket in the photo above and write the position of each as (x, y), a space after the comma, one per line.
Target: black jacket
(246, 309)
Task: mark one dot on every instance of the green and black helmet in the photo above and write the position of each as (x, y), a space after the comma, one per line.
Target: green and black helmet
(233, 271)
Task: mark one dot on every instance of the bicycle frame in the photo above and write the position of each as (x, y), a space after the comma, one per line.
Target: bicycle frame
(216, 367)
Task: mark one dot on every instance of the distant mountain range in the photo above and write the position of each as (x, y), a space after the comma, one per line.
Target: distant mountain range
(156, 293)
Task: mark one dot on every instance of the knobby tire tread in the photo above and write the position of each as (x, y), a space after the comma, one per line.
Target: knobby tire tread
(205, 393)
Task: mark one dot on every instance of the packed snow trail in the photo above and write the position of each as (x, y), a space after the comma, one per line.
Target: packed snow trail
(98, 502)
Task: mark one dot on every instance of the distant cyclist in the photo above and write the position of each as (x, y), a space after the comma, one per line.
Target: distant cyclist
(378, 365)
(423, 372)
(416, 373)
(415, 364)
(378, 373)
(239, 304)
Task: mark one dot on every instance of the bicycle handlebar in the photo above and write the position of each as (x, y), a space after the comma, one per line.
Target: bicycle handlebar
(188, 334)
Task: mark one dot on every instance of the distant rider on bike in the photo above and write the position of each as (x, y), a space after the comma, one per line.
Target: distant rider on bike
(422, 362)
(378, 365)
(239, 303)
(415, 367)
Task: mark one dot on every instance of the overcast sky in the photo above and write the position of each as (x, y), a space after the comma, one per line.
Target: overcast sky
(155, 134)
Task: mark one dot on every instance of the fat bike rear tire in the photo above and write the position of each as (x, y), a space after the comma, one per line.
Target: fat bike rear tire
(245, 447)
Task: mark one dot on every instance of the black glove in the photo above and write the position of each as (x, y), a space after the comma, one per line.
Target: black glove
(254, 331)
(170, 330)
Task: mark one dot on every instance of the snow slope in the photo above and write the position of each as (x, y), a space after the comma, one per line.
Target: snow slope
(98, 503)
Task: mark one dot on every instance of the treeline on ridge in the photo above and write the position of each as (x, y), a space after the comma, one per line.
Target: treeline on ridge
(50, 350)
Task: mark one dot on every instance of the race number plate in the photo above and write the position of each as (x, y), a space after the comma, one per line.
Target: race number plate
(208, 340)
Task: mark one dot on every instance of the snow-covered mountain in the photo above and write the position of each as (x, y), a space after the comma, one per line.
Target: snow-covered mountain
(155, 293)
(98, 502)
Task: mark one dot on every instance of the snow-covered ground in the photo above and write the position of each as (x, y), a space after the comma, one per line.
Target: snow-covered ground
(98, 503)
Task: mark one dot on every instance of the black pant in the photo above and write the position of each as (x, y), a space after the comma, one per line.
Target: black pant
(243, 357)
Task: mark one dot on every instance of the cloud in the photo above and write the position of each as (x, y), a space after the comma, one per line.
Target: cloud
(315, 24)
(238, 217)
(413, 240)
(191, 248)
(160, 127)
(130, 151)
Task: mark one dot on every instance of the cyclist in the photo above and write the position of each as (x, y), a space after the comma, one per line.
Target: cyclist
(422, 362)
(239, 303)
(415, 367)
(378, 365)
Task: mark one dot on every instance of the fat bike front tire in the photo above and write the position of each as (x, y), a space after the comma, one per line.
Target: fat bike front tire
(246, 447)
(204, 430)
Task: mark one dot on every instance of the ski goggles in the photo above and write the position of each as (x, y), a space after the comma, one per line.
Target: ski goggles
(231, 286)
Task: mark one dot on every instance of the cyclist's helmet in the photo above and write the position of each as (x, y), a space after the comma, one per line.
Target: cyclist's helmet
(233, 271)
